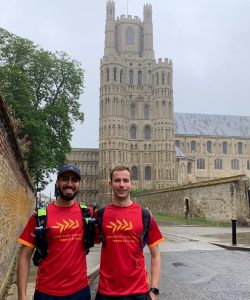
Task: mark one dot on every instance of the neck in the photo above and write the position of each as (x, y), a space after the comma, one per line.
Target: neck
(122, 202)
(64, 203)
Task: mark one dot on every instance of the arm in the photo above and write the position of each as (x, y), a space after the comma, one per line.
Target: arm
(155, 269)
(23, 269)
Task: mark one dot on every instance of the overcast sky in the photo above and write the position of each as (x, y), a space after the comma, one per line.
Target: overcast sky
(207, 40)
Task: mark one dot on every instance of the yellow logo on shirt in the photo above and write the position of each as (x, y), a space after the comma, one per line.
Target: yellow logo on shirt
(120, 225)
(67, 225)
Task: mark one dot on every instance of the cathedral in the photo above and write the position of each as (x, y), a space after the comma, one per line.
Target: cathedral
(138, 127)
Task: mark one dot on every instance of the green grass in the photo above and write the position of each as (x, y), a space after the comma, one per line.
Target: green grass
(175, 220)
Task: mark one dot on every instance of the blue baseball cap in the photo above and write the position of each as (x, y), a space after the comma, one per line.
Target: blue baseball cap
(69, 168)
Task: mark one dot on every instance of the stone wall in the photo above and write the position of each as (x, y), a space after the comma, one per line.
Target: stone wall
(16, 196)
(216, 200)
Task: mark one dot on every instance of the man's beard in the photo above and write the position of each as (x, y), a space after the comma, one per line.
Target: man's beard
(66, 197)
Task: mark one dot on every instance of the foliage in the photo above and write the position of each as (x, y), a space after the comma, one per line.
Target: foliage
(43, 90)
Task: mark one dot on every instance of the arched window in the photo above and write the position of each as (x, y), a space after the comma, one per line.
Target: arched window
(131, 77)
(147, 132)
(107, 74)
(248, 164)
(133, 132)
(169, 78)
(114, 73)
(157, 78)
(235, 164)
(129, 35)
(139, 77)
(201, 163)
(178, 143)
(193, 146)
(224, 147)
(162, 78)
(146, 112)
(240, 148)
(132, 112)
(218, 164)
(189, 167)
(121, 76)
(209, 147)
(134, 173)
(148, 173)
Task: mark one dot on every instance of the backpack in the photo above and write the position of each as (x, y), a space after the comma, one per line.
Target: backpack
(41, 242)
(146, 219)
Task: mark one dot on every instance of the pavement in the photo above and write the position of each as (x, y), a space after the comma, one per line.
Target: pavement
(219, 236)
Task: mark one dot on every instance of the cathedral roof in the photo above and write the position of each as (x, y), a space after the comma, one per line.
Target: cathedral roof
(212, 125)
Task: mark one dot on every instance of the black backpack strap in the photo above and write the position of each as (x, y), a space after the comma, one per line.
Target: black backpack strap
(146, 219)
(89, 227)
(41, 242)
(100, 213)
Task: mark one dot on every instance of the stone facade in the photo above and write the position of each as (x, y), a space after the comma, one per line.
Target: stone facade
(16, 195)
(88, 162)
(218, 200)
(138, 127)
(136, 104)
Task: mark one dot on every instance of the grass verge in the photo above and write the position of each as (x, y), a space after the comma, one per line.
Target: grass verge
(176, 220)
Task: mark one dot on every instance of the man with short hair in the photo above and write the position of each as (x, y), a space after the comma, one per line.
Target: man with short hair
(62, 274)
(123, 274)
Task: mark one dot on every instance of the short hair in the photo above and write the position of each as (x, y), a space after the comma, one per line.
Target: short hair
(119, 168)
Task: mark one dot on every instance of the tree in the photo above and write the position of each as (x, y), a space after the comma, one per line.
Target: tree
(43, 90)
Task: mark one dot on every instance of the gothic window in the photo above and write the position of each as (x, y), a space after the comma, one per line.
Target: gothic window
(239, 148)
(139, 77)
(157, 78)
(162, 78)
(101, 76)
(148, 173)
(178, 144)
(248, 164)
(146, 112)
(114, 74)
(134, 173)
(218, 164)
(193, 146)
(131, 77)
(169, 78)
(235, 164)
(147, 132)
(107, 74)
(132, 112)
(224, 147)
(209, 147)
(133, 132)
(121, 76)
(129, 35)
(189, 167)
(201, 163)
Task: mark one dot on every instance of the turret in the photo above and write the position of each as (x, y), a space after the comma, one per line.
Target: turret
(148, 32)
(110, 28)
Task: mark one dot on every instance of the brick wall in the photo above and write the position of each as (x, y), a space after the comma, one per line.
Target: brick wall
(217, 200)
(16, 196)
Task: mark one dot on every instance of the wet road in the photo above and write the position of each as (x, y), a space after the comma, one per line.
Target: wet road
(194, 270)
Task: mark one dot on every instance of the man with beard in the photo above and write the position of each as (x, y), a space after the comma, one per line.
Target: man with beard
(62, 274)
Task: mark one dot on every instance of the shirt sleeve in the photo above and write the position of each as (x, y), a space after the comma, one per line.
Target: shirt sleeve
(154, 234)
(27, 237)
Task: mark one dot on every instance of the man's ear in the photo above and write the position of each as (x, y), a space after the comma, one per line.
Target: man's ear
(110, 183)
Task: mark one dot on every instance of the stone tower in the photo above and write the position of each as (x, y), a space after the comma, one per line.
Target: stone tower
(136, 104)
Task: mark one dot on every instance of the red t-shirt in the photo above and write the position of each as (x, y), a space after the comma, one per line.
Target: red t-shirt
(122, 268)
(63, 271)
